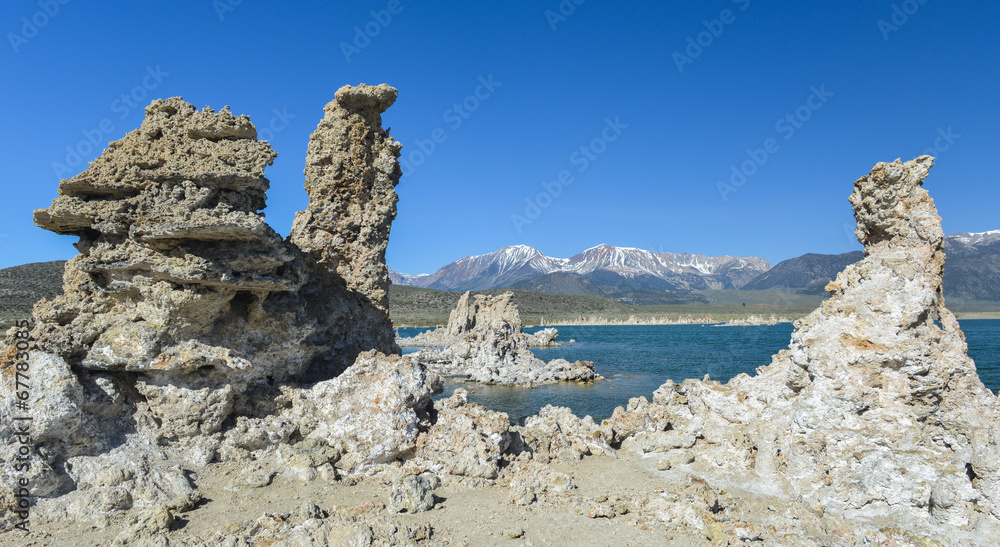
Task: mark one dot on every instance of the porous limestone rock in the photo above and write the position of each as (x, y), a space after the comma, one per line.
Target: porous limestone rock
(173, 248)
(485, 343)
(365, 524)
(875, 412)
(352, 170)
(544, 338)
(555, 433)
(371, 413)
(181, 279)
(188, 326)
(412, 494)
(530, 481)
(459, 326)
(464, 439)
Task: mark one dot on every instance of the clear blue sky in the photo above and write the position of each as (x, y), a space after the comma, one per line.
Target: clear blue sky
(653, 186)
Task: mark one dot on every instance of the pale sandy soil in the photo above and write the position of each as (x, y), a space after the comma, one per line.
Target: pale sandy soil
(466, 515)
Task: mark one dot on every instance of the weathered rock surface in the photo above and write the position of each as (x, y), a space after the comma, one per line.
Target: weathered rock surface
(484, 342)
(367, 524)
(351, 174)
(371, 413)
(529, 480)
(412, 494)
(442, 337)
(190, 331)
(178, 270)
(465, 439)
(874, 413)
(555, 433)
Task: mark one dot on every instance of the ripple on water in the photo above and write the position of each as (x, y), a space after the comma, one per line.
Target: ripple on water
(637, 359)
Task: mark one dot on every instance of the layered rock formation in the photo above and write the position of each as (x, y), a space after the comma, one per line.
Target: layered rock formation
(484, 342)
(179, 270)
(462, 322)
(351, 174)
(188, 330)
(874, 413)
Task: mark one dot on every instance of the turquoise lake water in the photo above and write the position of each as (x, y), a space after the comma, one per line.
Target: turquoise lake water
(637, 359)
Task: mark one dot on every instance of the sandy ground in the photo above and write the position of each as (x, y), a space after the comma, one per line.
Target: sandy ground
(467, 514)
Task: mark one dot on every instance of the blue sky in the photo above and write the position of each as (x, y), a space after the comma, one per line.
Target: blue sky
(618, 99)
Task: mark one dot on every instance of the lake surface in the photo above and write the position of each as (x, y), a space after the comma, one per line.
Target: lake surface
(637, 359)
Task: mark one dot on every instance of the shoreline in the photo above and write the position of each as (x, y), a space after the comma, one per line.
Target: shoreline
(728, 321)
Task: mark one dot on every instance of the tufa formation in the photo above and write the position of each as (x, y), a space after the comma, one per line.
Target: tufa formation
(484, 342)
(874, 414)
(189, 331)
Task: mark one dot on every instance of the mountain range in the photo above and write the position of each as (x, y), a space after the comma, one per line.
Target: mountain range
(625, 268)
(637, 276)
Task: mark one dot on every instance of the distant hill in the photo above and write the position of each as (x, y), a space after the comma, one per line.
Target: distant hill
(807, 274)
(564, 283)
(971, 271)
(418, 306)
(569, 283)
(973, 278)
(22, 286)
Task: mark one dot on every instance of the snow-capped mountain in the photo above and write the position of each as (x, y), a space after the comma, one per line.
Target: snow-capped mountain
(967, 244)
(978, 238)
(622, 267)
(971, 271)
(497, 269)
(407, 279)
(972, 268)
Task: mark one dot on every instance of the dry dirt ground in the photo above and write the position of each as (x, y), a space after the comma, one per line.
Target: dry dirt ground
(466, 514)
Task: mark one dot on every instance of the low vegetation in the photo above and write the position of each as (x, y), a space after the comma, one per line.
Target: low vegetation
(22, 286)
(413, 306)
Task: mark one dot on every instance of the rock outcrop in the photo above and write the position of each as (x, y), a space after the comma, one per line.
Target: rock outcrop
(484, 342)
(462, 322)
(351, 174)
(874, 413)
(189, 331)
(465, 440)
(753, 321)
(181, 281)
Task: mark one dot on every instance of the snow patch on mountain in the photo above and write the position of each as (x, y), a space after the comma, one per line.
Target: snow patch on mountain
(515, 263)
(975, 238)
